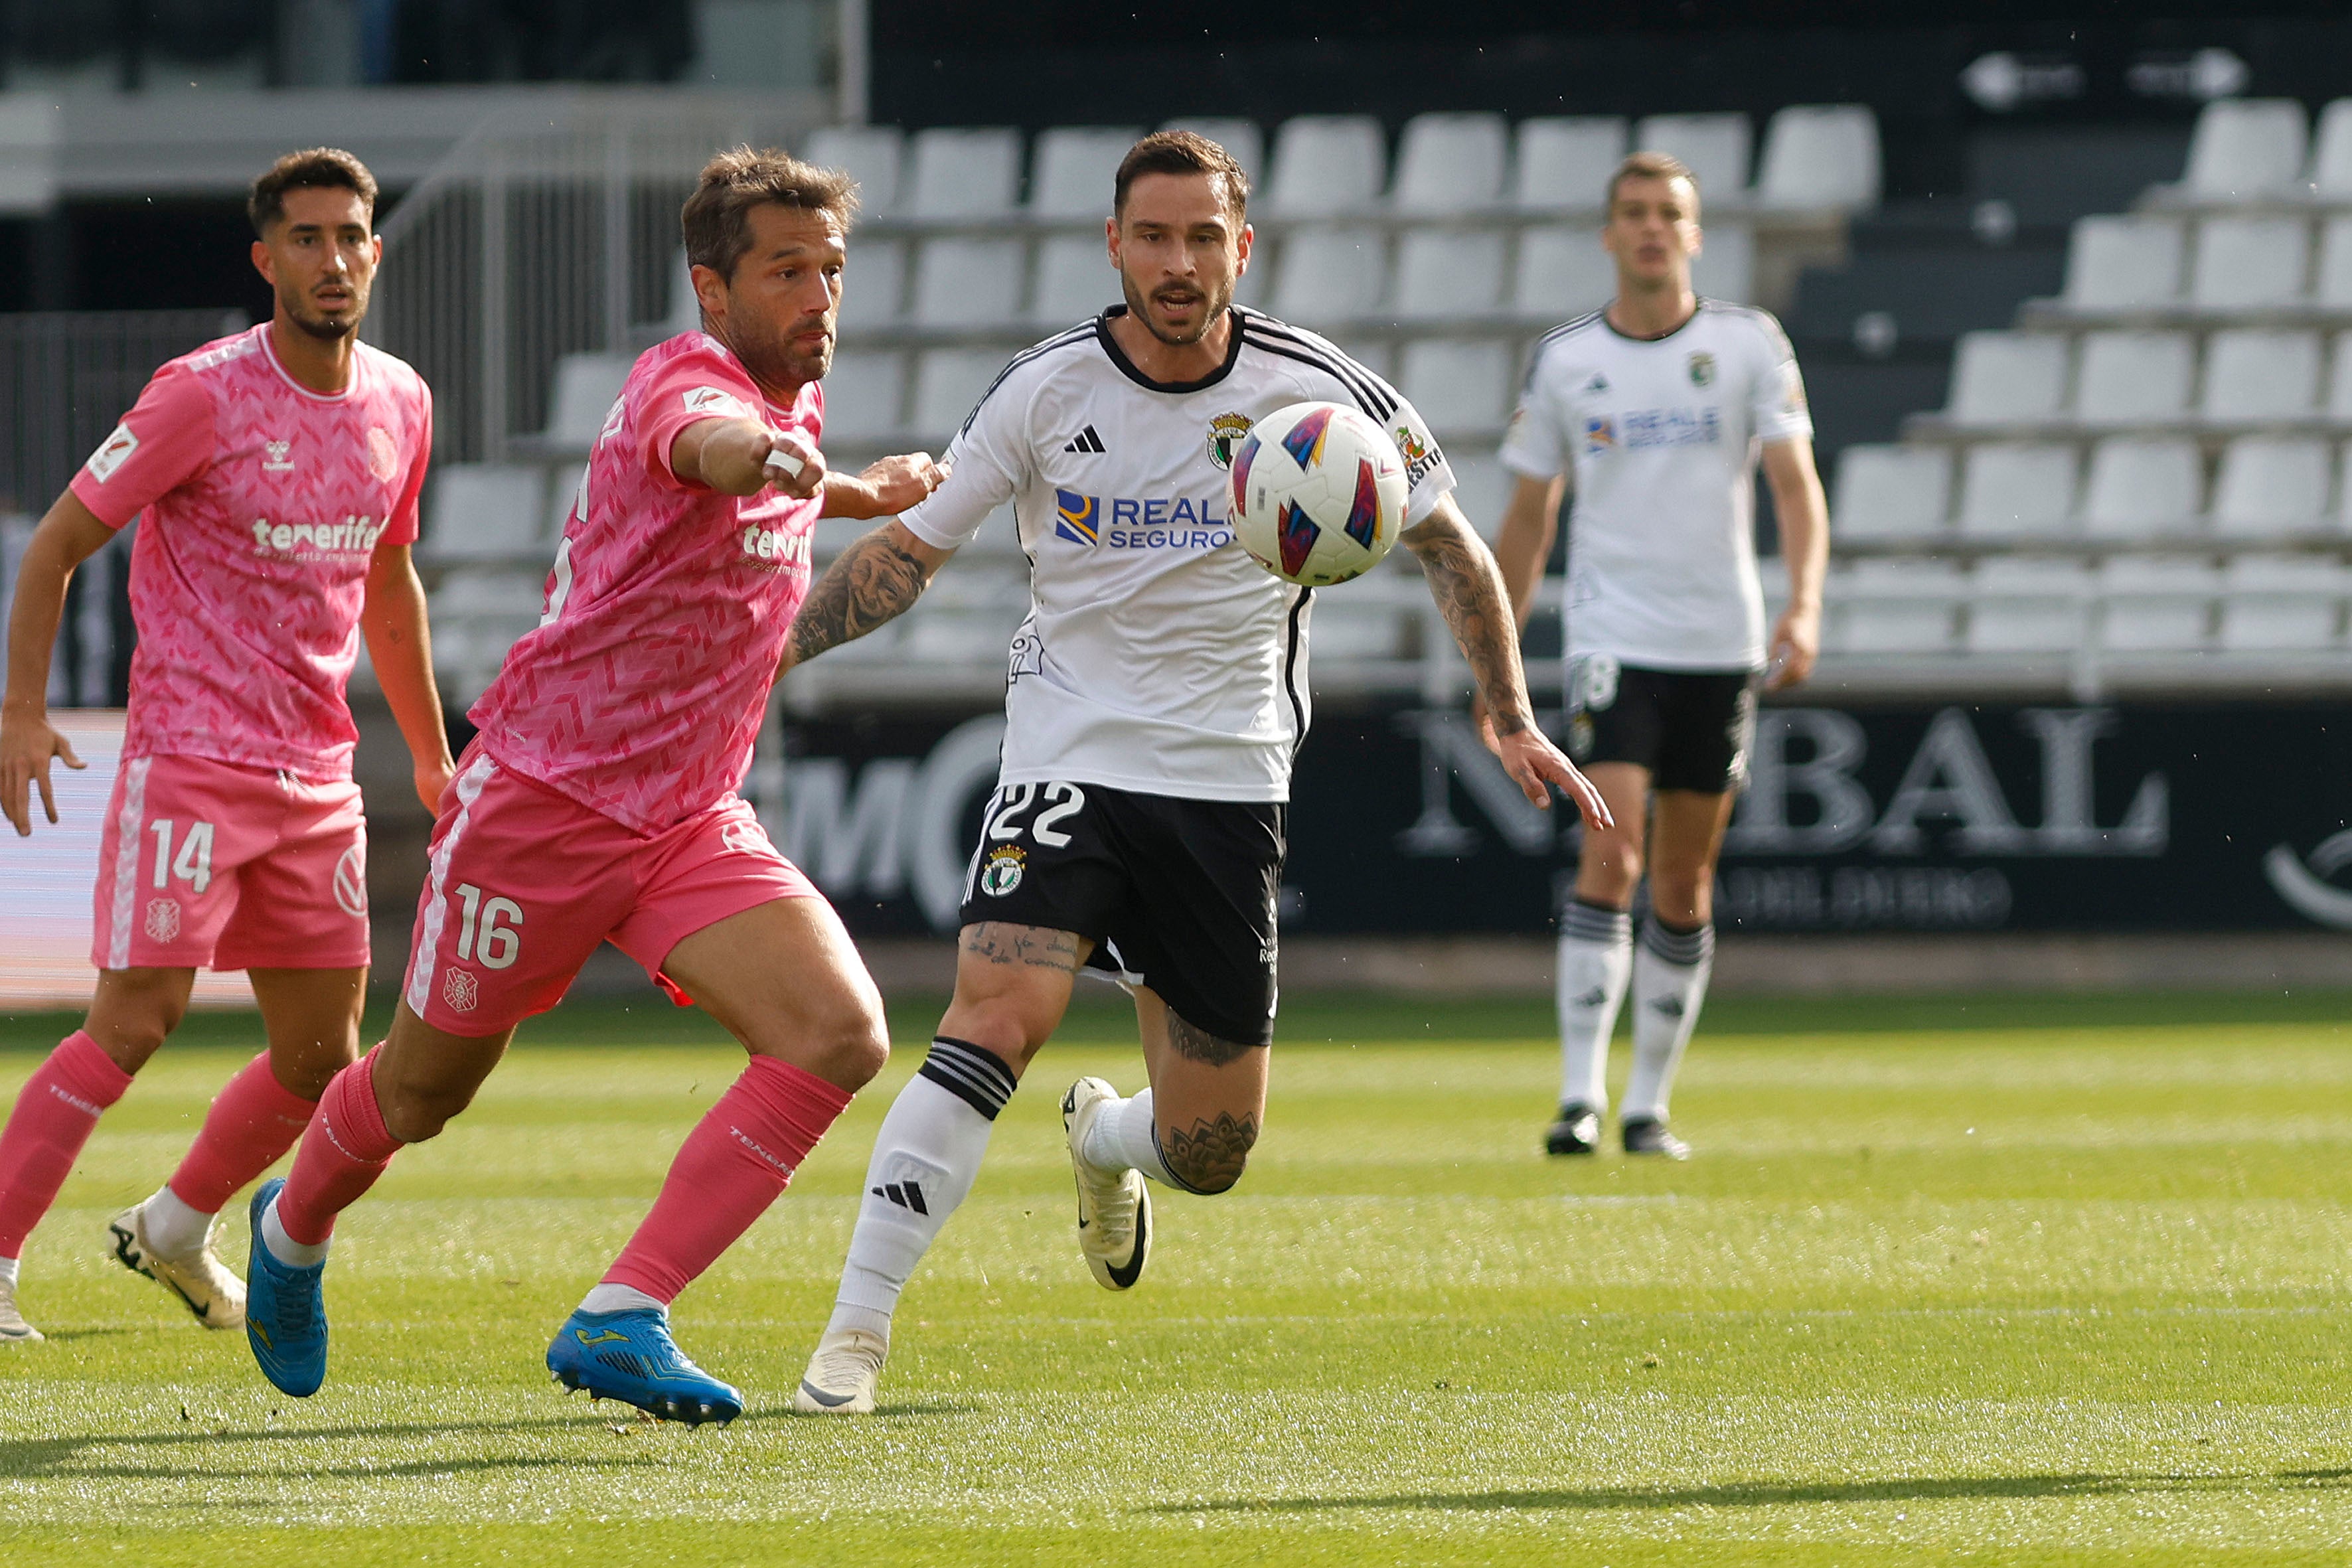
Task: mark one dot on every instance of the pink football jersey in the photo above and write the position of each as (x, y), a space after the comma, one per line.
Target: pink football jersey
(264, 501)
(641, 693)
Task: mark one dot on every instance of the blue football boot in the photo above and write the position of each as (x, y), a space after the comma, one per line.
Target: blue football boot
(285, 1316)
(629, 1356)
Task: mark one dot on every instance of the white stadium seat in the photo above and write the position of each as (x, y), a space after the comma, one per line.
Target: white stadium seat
(1565, 162)
(2127, 378)
(2331, 286)
(967, 282)
(2123, 263)
(2155, 603)
(1715, 146)
(1075, 279)
(1443, 272)
(2342, 516)
(1482, 487)
(1561, 273)
(2004, 377)
(1894, 606)
(1347, 627)
(2245, 147)
(2331, 152)
(2252, 375)
(1458, 383)
(2338, 401)
(479, 510)
(2142, 486)
(865, 396)
(2249, 262)
(1326, 165)
(586, 388)
(1820, 156)
(1726, 268)
(2272, 485)
(562, 496)
(873, 283)
(2027, 604)
(1330, 274)
(685, 312)
(1240, 138)
(965, 172)
(1892, 492)
(948, 384)
(871, 154)
(2280, 603)
(2017, 490)
(1450, 163)
(1073, 169)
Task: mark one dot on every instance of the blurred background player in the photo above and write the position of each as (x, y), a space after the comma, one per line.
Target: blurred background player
(1157, 696)
(1658, 404)
(618, 729)
(279, 470)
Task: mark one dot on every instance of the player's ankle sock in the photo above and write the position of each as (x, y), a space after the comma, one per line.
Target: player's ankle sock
(346, 1148)
(174, 1229)
(730, 1168)
(1596, 958)
(54, 1114)
(925, 1159)
(253, 1121)
(620, 1299)
(1126, 1137)
(1670, 974)
(8, 1272)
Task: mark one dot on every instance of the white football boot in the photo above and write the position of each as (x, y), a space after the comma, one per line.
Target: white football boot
(203, 1285)
(1114, 1212)
(842, 1374)
(13, 1330)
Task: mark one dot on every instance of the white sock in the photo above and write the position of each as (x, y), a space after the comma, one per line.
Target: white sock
(925, 1159)
(620, 1299)
(1670, 973)
(1596, 957)
(174, 1229)
(1125, 1136)
(8, 1272)
(285, 1248)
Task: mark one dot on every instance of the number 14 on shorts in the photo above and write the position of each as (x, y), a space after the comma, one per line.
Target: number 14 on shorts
(489, 931)
(193, 865)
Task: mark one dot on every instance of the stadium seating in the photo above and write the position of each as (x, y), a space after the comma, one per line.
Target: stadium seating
(2270, 485)
(2253, 376)
(485, 512)
(1715, 147)
(2155, 603)
(2018, 605)
(873, 284)
(1459, 385)
(964, 173)
(1824, 156)
(1441, 273)
(1240, 138)
(1074, 280)
(968, 282)
(2133, 377)
(2280, 603)
(2249, 262)
(2331, 155)
(2140, 486)
(1565, 162)
(1892, 493)
(870, 154)
(2006, 377)
(1450, 163)
(1330, 274)
(1562, 272)
(585, 388)
(2245, 147)
(2017, 488)
(2121, 263)
(1327, 165)
(1074, 166)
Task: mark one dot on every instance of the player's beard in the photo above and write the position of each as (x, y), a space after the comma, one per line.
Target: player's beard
(1214, 303)
(325, 329)
(769, 355)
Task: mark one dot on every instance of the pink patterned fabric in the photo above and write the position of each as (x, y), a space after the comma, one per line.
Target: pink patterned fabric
(263, 502)
(641, 691)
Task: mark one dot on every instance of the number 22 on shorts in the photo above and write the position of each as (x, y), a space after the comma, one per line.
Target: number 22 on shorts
(482, 938)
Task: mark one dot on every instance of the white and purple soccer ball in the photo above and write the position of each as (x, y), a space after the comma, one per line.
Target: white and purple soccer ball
(1318, 493)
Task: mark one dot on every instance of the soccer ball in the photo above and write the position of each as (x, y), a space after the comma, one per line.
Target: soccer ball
(1318, 493)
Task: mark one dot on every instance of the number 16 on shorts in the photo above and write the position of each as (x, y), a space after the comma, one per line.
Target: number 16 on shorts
(490, 929)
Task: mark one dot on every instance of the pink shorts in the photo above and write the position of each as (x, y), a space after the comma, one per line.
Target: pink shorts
(524, 883)
(208, 865)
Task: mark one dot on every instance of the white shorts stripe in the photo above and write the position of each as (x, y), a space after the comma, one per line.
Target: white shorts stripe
(468, 786)
(130, 833)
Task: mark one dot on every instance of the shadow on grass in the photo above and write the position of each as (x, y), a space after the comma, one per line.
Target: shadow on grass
(1767, 1494)
(421, 1469)
(881, 1412)
(29, 1458)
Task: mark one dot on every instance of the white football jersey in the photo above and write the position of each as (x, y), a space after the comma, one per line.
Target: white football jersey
(1157, 655)
(1664, 435)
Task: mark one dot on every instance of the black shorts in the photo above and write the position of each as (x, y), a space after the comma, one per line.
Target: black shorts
(1691, 729)
(1178, 895)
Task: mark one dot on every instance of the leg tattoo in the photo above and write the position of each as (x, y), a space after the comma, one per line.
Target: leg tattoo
(1210, 1158)
(1198, 1045)
(1032, 946)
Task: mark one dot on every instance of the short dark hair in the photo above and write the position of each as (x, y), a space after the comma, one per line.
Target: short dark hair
(717, 218)
(1651, 166)
(1182, 153)
(312, 169)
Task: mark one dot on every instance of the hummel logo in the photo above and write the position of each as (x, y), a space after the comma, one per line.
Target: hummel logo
(1086, 441)
(906, 1194)
(606, 1338)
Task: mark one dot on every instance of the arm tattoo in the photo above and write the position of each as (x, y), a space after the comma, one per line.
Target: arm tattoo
(1464, 581)
(1200, 1045)
(872, 582)
(1209, 1159)
(1034, 947)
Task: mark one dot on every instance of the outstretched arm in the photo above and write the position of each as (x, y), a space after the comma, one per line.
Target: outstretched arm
(874, 581)
(1467, 586)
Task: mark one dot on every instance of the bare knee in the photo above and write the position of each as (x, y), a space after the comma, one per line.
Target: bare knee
(134, 1012)
(1683, 901)
(1611, 868)
(845, 1044)
(1210, 1157)
(417, 1114)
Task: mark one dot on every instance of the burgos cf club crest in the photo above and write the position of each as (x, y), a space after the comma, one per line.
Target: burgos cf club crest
(1702, 369)
(1225, 434)
(1000, 872)
(1075, 517)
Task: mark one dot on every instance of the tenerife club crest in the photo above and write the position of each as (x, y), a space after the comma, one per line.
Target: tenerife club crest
(1226, 433)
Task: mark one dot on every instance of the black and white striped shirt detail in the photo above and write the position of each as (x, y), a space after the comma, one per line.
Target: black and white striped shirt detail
(1084, 335)
(1372, 393)
(972, 1074)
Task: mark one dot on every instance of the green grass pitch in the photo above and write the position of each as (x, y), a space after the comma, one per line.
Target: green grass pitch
(2028, 1282)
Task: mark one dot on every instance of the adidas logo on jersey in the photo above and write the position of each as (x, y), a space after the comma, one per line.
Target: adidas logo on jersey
(1086, 441)
(906, 1194)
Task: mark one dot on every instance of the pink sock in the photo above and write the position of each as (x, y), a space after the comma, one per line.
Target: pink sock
(55, 1111)
(343, 1152)
(254, 1120)
(732, 1167)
